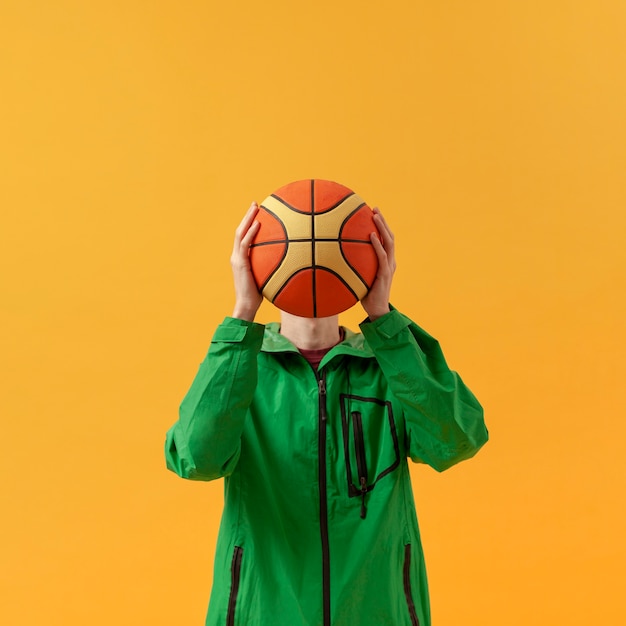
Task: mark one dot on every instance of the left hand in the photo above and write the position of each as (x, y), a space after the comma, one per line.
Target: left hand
(376, 302)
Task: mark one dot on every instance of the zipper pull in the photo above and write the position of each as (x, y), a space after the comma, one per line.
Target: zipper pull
(363, 492)
(321, 385)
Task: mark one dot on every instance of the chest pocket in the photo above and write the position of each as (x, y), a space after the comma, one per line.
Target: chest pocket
(370, 443)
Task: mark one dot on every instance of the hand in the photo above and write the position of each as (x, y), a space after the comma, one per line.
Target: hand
(376, 302)
(247, 296)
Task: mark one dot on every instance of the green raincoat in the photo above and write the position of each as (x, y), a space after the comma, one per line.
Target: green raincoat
(319, 525)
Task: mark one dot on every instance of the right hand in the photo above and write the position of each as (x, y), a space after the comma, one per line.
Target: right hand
(247, 296)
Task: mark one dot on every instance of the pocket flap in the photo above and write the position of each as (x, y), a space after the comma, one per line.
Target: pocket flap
(229, 334)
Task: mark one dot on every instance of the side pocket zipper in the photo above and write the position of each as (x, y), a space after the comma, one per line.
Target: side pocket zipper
(361, 463)
(407, 585)
(235, 573)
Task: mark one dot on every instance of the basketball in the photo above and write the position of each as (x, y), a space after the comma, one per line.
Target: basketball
(312, 255)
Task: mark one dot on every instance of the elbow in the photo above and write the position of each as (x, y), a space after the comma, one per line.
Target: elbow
(181, 467)
(452, 447)
(457, 455)
(197, 464)
(178, 459)
(209, 463)
(475, 439)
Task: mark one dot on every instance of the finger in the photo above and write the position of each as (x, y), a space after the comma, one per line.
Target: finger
(246, 221)
(379, 216)
(385, 233)
(378, 212)
(249, 236)
(381, 253)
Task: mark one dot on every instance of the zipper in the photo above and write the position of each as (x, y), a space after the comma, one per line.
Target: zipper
(235, 573)
(407, 585)
(361, 464)
(322, 421)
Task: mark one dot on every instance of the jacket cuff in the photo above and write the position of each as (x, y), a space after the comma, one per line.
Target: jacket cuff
(235, 330)
(385, 327)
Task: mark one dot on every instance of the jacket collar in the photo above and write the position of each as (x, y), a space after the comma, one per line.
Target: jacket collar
(353, 344)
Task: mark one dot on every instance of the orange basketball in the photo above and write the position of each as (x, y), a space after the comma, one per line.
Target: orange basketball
(312, 255)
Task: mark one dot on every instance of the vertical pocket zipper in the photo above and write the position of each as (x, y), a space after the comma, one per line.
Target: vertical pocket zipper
(407, 585)
(361, 463)
(235, 573)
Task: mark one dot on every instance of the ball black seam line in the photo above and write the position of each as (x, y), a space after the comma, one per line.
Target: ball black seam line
(282, 288)
(282, 224)
(285, 251)
(356, 273)
(343, 224)
(313, 282)
(308, 239)
(331, 271)
(278, 265)
(293, 208)
(345, 221)
(275, 242)
(332, 208)
(339, 240)
(289, 206)
(321, 267)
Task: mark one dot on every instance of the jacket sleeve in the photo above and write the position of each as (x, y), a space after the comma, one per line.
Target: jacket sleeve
(444, 421)
(204, 443)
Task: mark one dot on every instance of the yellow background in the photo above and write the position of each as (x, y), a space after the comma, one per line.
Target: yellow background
(135, 133)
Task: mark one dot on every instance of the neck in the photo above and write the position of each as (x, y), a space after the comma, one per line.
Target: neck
(310, 333)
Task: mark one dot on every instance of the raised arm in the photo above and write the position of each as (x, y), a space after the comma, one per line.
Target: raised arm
(444, 421)
(205, 441)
